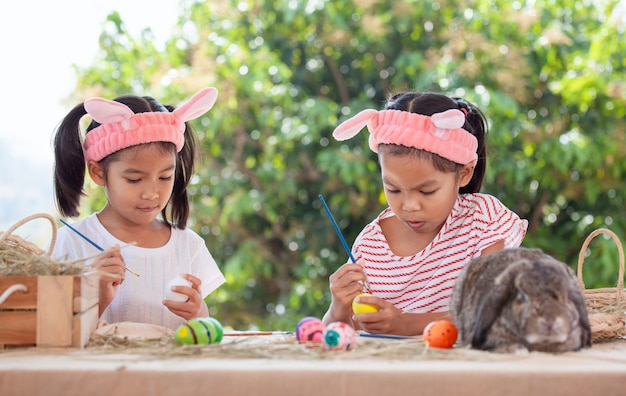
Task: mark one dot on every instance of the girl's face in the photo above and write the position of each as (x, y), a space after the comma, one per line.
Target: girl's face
(138, 183)
(419, 195)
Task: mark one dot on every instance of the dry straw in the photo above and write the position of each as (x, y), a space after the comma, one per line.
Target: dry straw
(284, 347)
(605, 306)
(19, 257)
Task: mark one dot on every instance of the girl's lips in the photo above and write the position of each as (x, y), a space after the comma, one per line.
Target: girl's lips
(148, 210)
(415, 224)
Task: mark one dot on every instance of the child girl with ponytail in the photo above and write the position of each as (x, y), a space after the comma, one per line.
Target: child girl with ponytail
(432, 154)
(142, 154)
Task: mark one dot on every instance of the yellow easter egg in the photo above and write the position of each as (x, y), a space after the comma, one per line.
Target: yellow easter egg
(360, 308)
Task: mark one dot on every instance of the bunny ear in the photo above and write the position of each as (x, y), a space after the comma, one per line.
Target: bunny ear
(449, 119)
(488, 311)
(199, 104)
(578, 299)
(106, 111)
(352, 126)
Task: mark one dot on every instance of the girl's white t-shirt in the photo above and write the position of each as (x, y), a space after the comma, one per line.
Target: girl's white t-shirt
(424, 282)
(139, 299)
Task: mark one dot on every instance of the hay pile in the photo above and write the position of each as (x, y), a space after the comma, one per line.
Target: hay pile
(19, 257)
(283, 347)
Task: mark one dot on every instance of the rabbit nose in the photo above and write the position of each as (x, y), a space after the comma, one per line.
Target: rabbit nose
(551, 326)
(548, 331)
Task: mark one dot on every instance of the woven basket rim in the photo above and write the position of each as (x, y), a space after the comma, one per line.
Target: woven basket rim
(581, 258)
(25, 220)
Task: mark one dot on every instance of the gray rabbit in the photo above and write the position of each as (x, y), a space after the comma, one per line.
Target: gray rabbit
(519, 300)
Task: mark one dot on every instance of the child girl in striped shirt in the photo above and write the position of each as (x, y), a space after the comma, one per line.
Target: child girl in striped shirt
(432, 155)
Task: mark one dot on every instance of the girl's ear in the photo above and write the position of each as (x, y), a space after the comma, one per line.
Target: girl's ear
(465, 173)
(96, 172)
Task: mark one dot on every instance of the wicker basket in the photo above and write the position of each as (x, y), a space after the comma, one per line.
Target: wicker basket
(606, 306)
(44, 302)
(10, 241)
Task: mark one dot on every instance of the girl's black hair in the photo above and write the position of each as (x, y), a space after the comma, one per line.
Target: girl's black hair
(429, 103)
(70, 163)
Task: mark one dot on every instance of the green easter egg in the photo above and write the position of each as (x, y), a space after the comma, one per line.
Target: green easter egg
(199, 331)
(217, 331)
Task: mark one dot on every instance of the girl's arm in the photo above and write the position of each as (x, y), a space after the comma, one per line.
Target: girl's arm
(345, 284)
(339, 313)
(416, 322)
(195, 306)
(111, 267)
(493, 248)
(391, 320)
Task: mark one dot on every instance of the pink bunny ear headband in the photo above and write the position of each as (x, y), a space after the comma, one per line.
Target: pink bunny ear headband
(121, 128)
(441, 133)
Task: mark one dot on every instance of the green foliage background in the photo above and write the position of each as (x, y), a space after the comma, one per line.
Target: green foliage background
(549, 74)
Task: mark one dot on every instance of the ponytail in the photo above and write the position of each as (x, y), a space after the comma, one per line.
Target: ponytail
(69, 163)
(476, 124)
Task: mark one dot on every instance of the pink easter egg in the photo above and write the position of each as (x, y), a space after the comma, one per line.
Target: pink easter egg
(339, 336)
(310, 329)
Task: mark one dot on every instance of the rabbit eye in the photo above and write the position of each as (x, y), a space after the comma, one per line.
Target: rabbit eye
(521, 296)
(555, 296)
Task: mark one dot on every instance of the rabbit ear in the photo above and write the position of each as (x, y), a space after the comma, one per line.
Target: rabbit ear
(494, 302)
(352, 126)
(199, 104)
(106, 111)
(449, 119)
(576, 297)
(489, 310)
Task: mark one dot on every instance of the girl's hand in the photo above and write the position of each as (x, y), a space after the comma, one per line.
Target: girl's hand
(345, 284)
(391, 320)
(388, 319)
(194, 307)
(110, 264)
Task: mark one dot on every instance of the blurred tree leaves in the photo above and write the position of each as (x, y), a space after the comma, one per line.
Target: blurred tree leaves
(549, 75)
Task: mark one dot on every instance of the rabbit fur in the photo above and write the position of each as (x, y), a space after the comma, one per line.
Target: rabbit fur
(518, 300)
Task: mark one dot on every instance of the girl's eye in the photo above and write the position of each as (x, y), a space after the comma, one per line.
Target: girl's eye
(132, 181)
(429, 192)
(392, 191)
(166, 178)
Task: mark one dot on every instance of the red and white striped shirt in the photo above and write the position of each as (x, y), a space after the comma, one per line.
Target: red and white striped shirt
(423, 282)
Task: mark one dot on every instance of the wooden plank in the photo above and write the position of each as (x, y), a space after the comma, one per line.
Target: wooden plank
(84, 324)
(86, 291)
(54, 310)
(17, 328)
(19, 299)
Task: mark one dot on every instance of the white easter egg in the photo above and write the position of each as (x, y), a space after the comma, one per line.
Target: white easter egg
(173, 296)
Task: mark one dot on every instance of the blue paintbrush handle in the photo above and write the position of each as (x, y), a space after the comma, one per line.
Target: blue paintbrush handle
(91, 242)
(332, 219)
(387, 336)
(82, 236)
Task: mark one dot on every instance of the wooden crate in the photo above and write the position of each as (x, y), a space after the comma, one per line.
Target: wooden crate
(55, 311)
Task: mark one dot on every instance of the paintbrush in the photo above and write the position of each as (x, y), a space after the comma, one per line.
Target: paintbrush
(366, 285)
(92, 243)
(386, 336)
(257, 333)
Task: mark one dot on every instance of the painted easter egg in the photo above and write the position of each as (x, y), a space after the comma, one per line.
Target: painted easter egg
(174, 296)
(199, 331)
(310, 329)
(360, 308)
(339, 336)
(218, 334)
(440, 334)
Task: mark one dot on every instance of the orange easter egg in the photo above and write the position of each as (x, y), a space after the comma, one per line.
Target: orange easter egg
(440, 334)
